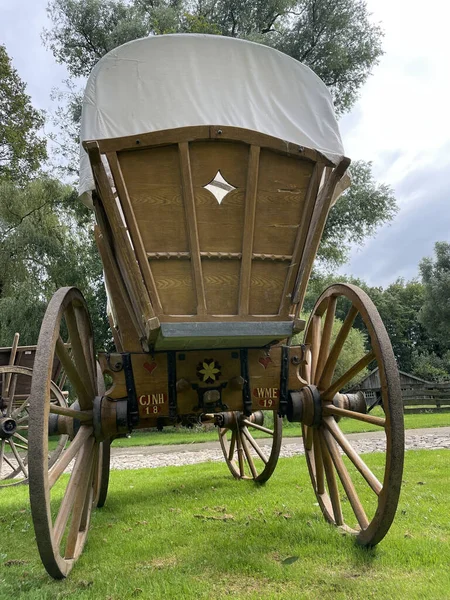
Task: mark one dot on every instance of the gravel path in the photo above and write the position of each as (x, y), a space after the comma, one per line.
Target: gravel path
(189, 454)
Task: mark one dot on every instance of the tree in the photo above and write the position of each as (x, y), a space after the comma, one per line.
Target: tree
(435, 313)
(362, 208)
(21, 148)
(41, 250)
(431, 367)
(399, 306)
(333, 37)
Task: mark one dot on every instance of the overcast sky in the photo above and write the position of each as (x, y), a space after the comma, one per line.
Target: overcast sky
(401, 122)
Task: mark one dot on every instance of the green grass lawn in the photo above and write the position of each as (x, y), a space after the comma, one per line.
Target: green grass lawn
(170, 435)
(194, 532)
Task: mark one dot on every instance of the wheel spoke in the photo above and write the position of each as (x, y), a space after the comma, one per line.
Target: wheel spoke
(81, 415)
(334, 429)
(78, 350)
(320, 475)
(348, 376)
(332, 483)
(76, 479)
(2, 455)
(72, 373)
(11, 394)
(330, 365)
(22, 419)
(18, 458)
(315, 344)
(258, 427)
(240, 453)
(232, 445)
(21, 446)
(87, 345)
(8, 462)
(79, 504)
(60, 466)
(308, 437)
(21, 438)
(224, 431)
(326, 336)
(346, 481)
(254, 444)
(250, 462)
(330, 409)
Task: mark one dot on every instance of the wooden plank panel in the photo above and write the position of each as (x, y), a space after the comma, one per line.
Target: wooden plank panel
(191, 224)
(267, 284)
(129, 327)
(249, 229)
(134, 230)
(154, 187)
(126, 260)
(282, 187)
(221, 285)
(300, 239)
(175, 288)
(230, 158)
(226, 218)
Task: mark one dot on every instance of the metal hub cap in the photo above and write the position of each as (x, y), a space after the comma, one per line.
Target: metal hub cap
(8, 428)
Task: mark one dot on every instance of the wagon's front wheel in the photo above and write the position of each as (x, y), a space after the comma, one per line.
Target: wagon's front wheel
(359, 498)
(61, 504)
(247, 457)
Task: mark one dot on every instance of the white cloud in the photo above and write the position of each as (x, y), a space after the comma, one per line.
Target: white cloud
(401, 123)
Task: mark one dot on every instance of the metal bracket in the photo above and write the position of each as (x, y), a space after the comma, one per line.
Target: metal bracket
(284, 378)
(246, 396)
(172, 381)
(132, 403)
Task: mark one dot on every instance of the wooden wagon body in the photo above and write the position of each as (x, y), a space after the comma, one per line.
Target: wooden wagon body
(205, 288)
(189, 277)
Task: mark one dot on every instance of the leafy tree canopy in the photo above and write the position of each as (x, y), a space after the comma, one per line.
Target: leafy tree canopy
(435, 313)
(21, 148)
(41, 250)
(432, 367)
(333, 37)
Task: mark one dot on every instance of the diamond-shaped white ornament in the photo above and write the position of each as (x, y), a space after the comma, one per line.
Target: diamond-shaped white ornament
(219, 187)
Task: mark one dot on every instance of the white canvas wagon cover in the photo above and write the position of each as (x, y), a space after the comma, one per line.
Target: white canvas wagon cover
(181, 80)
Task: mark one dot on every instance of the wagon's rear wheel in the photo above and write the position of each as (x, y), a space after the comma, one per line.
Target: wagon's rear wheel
(247, 457)
(357, 498)
(61, 505)
(14, 406)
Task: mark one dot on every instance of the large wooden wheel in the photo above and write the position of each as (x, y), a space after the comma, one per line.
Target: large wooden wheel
(359, 499)
(14, 406)
(61, 505)
(245, 457)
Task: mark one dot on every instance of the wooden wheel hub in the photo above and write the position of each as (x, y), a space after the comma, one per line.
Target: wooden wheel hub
(8, 427)
(306, 405)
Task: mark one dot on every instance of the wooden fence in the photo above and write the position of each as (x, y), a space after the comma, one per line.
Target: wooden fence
(421, 397)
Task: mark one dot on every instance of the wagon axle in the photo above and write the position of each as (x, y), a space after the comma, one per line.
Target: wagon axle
(307, 405)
